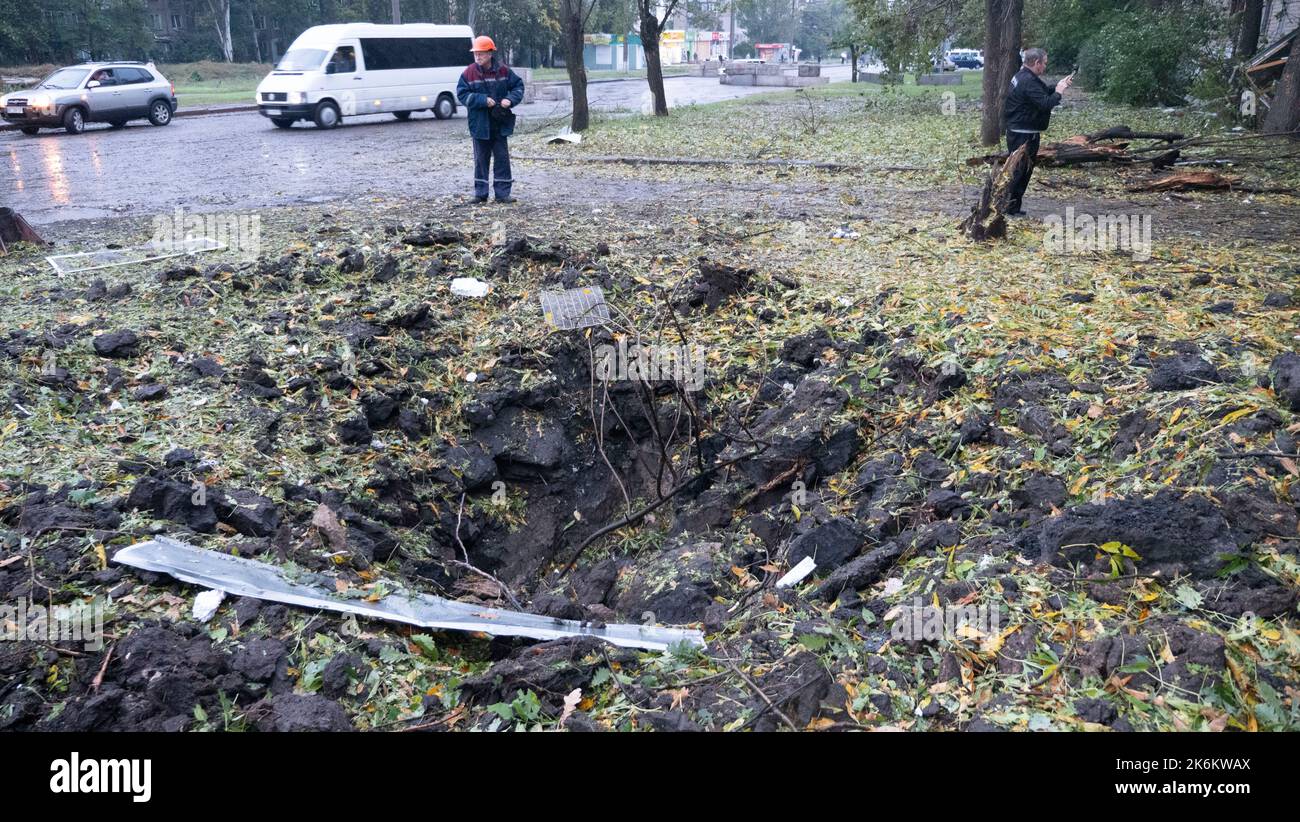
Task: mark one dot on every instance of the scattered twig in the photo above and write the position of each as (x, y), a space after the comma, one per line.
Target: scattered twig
(770, 704)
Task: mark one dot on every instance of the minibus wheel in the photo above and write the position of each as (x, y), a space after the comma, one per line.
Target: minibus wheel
(281, 122)
(327, 115)
(402, 115)
(30, 130)
(444, 108)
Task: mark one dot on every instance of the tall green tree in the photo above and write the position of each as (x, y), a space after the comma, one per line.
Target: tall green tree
(819, 20)
(58, 31)
(766, 21)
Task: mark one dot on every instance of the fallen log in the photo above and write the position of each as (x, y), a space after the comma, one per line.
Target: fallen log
(1186, 180)
(1077, 150)
(13, 229)
(1207, 181)
(1126, 133)
(987, 220)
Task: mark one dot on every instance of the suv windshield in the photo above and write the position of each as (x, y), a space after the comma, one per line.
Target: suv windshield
(301, 60)
(64, 78)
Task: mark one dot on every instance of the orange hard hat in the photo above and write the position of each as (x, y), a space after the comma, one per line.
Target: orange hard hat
(483, 43)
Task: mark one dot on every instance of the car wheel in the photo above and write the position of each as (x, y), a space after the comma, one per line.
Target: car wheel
(402, 115)
(327, 115)
(444, 108)
(74, 120)
(30, 130)
(160, 114)
(281, 122)
(117, 123)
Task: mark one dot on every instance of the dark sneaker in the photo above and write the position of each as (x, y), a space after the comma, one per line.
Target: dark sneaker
(506, 199)
(479, 199)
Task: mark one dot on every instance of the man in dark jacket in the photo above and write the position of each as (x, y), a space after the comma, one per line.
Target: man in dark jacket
(1027, 109)
(489, 89)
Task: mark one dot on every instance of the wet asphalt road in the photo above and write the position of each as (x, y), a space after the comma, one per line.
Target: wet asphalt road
(234, 162)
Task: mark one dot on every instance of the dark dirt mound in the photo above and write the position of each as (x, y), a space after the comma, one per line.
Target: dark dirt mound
(1170, 531)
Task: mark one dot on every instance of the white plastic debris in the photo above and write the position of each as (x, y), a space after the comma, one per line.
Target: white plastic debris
(147, 253)
(250, 578)
(566, 136)
(206, 605)
(469, 287)
(796, 574)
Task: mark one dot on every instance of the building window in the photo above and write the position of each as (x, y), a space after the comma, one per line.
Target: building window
(176, 21)
(157, 22)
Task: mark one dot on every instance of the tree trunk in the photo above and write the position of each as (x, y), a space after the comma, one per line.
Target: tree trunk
(1248, 39)
(1002, 19)
(853, 55)
(221, 22)
(252, 26)
(1284, 112)
(572, 18)
(653, 68)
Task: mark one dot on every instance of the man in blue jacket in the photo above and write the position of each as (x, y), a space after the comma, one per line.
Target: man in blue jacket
(1028, 108)
(489, 89)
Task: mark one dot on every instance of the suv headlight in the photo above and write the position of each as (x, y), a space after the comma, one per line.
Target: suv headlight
(42, 101)
(297, 97)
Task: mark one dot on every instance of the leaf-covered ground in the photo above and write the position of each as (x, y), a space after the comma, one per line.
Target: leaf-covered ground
(1101, 449)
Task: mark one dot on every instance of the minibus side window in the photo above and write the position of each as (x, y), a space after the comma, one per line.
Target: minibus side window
(343, 61)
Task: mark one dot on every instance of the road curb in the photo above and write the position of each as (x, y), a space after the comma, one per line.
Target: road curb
(605, 80)
(198, 111)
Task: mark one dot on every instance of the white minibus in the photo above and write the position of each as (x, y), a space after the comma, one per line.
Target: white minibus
(345, 70)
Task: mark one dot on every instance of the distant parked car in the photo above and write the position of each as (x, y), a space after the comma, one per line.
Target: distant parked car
(944, 64)
(113, 93)
(966, 58)
(723, 70)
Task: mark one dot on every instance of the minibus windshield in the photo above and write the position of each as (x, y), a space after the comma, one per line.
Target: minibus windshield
(301, 60)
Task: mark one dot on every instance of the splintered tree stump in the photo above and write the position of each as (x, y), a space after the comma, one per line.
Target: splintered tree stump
(987, 220)
(13, 229)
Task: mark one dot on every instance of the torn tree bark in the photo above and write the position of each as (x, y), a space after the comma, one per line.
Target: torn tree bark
(1183, 180)
(14, 229)
(987, 220)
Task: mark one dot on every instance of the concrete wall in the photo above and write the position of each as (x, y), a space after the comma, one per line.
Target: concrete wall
(772, 74)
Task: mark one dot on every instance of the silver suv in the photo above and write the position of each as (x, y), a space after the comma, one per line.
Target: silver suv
(110, 93)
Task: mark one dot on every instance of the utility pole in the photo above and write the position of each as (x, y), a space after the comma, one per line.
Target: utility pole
(397, 12)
